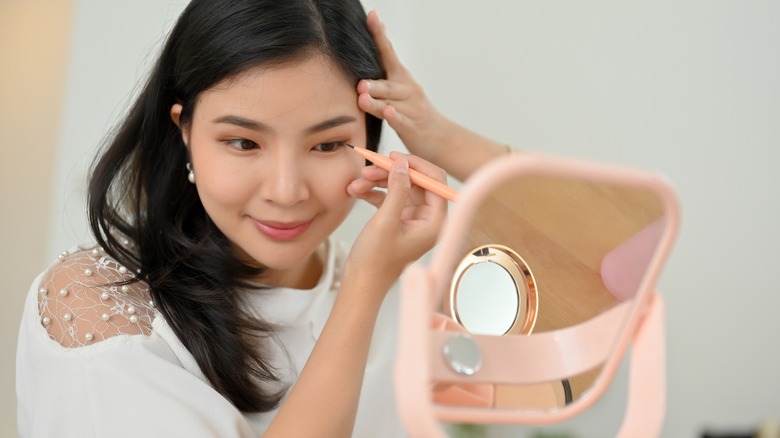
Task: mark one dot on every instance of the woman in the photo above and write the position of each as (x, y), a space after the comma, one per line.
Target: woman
(214, 302)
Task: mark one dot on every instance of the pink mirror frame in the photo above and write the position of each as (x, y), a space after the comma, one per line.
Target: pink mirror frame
(545, 356)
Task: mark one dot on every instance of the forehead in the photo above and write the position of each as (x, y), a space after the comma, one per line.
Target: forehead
(312, 87)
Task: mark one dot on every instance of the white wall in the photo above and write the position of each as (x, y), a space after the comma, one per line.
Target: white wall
(112, 46)
(689, 88)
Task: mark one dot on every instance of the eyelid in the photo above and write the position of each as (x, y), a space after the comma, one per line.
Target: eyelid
(235, 143)
(338, 145)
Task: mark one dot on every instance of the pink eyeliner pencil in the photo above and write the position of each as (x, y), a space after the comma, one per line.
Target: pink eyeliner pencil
(416, 177)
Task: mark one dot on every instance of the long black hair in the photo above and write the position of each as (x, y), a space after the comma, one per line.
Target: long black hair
(139, 185)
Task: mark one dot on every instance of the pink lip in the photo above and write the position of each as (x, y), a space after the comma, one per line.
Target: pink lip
(282, 230)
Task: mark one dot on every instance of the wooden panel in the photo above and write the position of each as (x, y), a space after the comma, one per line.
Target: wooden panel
(563, 229)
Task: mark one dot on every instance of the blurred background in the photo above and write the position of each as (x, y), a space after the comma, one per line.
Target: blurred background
(690, 88)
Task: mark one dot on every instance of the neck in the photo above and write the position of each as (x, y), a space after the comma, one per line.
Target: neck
(304, 275)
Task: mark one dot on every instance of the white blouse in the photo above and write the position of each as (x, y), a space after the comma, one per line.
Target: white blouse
(123, 372)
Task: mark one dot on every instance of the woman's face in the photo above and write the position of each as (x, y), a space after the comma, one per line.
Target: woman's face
(270, 161)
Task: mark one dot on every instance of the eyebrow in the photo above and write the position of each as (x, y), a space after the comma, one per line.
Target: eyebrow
(242, 122)
(330, 123)
(261, 127)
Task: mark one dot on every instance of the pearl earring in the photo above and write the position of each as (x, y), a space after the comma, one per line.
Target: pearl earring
(191, 174)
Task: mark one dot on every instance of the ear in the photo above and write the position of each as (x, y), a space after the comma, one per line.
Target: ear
(176, 109)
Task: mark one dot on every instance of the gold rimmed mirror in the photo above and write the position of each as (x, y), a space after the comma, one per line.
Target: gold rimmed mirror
(545, 253)
(493, 276)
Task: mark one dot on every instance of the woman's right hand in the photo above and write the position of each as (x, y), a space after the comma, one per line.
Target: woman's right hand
(407, 221)
(403, 228)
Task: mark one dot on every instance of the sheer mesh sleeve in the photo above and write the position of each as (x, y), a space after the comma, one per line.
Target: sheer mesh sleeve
(82, 300)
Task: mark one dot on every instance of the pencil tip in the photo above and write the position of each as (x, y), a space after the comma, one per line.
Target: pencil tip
(353, 147)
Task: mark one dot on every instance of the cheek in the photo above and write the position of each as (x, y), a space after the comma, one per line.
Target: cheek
(219, 185)
(333, 180)
(222, 193)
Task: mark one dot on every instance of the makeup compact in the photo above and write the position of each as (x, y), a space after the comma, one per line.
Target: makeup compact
(543, 275)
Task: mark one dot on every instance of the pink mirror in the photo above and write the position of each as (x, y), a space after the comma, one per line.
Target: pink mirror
(544, 269)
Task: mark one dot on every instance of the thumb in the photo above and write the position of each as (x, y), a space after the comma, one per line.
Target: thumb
(398, 187)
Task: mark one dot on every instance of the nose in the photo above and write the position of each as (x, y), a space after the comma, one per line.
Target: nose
(283, 181)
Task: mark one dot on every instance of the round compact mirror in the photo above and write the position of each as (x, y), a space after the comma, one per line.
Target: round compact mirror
(494, 277)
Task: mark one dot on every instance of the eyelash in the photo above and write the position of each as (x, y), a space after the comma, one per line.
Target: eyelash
(335, 144)
(239, 143)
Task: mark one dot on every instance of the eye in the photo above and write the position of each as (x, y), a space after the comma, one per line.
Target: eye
(241, 144)
(330, 146)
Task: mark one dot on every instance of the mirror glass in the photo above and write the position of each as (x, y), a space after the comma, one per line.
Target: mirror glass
(490, 285)
(548, 252)
(494, 277)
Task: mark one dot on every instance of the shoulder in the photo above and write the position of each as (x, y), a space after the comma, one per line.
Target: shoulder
(87, 297)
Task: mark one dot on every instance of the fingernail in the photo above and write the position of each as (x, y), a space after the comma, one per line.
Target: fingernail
(403, 166)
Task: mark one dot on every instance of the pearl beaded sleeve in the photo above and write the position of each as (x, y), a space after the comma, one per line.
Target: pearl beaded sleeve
(82, 300)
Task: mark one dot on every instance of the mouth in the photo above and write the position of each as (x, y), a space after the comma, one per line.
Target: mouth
(282, 230)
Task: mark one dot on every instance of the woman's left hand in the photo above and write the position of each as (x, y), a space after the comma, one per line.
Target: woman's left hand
(427, 133)
(401, 101)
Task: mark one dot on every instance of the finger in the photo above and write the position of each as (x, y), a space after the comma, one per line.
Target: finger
(422, 166)
(372, 106)
(373, 197)
(396, 120)
(374, 173)
(385, 89)
(371, 177)
(390, 61)
(382, 109)
(398, 188)
(363, 185)
(429, 169)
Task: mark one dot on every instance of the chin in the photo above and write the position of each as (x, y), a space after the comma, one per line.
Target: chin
(281, 258)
